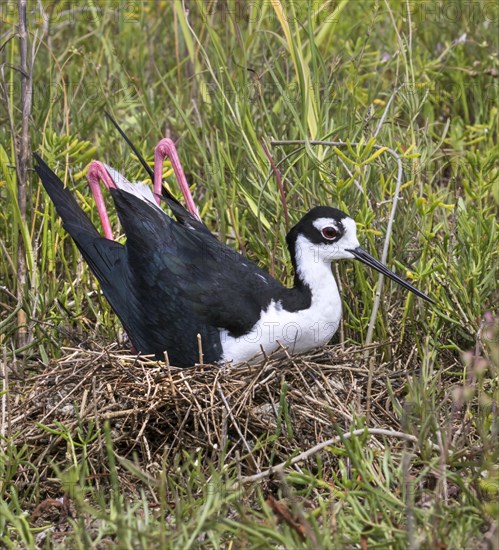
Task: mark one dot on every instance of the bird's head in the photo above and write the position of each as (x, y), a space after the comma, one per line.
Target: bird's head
(326, 234)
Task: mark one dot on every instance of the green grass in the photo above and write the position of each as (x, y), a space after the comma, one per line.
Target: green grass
(223, 81)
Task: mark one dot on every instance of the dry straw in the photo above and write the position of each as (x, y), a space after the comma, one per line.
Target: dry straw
(155, 410)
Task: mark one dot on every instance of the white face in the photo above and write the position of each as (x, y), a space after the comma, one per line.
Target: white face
(336, 239)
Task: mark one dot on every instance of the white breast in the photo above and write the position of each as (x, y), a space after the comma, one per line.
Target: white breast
(298, 331)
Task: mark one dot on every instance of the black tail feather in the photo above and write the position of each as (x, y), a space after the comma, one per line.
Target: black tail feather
(101, 254)
(106, 259)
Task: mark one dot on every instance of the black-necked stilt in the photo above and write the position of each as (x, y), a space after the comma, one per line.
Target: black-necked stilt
(173, 280)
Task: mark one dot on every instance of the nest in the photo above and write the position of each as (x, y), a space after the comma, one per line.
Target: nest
(154, 410)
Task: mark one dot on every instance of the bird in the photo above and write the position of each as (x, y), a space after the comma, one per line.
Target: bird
(180, 293)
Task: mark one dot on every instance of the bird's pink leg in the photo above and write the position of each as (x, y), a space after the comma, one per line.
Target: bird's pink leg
(166, 148)
(97, 172)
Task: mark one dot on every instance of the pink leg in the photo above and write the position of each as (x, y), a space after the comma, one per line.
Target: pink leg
(95, 174)
(166, 148)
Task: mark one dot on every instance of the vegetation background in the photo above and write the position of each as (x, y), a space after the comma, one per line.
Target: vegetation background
(225, 79)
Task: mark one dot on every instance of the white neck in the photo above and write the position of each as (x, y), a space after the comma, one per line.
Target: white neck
(314, 270)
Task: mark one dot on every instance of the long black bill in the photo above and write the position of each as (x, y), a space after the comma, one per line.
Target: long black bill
(366, 258)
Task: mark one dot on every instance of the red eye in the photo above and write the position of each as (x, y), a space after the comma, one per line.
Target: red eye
(329, 232)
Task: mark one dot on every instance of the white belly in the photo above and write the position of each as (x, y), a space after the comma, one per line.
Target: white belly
(298, 331)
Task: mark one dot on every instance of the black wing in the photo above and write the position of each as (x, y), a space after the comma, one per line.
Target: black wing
(150, 328)
(107, 259)
(211, 281)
